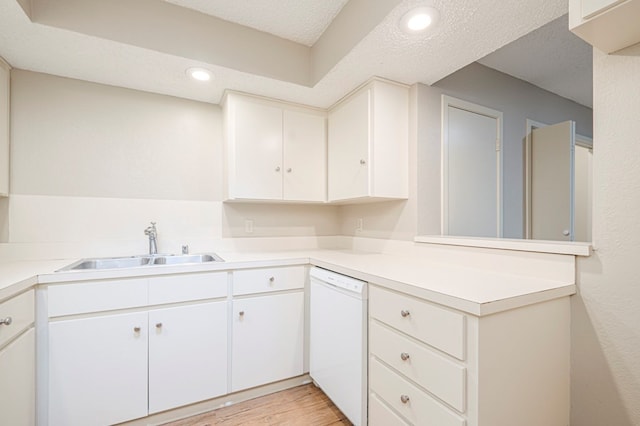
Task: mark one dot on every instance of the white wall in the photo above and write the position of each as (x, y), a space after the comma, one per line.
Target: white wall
(605, 362)
(91, 162)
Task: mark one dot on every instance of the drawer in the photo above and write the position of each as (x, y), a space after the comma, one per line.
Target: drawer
(96, 296)
(418, 408)
(381, 415)
(183, 288)
(20, 310)
(436, 326)
(434, 372)
(265, 280)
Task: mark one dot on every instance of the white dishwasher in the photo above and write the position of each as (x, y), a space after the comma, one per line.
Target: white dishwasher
(338, 341)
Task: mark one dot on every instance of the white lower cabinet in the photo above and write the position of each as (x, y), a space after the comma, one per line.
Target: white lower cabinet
(268, 339)
(17, 381)
(187, 355)
(435, 366)
(98, 370)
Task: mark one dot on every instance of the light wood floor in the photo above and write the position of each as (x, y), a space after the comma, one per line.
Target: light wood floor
(303, 405)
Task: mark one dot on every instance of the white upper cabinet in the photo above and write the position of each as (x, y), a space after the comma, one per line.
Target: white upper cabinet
(608, 25)
(368, 144)
(4, 128)
(274, 151)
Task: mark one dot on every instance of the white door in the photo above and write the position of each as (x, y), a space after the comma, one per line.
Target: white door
(305, 157)
(187, 355)
(268, 339)
(349, 133)
(98, 370)
(18, 381)
(552, 182)
(471, 204)
(258, 151)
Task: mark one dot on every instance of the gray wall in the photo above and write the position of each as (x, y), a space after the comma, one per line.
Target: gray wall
(518, 100)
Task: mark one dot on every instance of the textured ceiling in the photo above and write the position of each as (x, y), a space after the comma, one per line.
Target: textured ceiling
(302, 21)
(468, 30)
(552, 58)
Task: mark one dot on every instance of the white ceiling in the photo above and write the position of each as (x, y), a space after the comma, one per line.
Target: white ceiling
(116, 52)
(302, 21)
(552, 58)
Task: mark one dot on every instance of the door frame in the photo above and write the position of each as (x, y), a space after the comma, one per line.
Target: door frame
(449, 101)
(579, 140)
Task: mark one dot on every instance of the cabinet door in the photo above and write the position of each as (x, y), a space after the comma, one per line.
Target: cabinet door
(349, 131)
(187, 355)
(268, 339)
(305, 152)
(98, 370)
(257, 142)
(17, 381)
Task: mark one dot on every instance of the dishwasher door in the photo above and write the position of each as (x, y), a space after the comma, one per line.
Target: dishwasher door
(338, 347)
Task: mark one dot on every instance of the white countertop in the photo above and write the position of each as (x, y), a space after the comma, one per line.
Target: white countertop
(472, 290)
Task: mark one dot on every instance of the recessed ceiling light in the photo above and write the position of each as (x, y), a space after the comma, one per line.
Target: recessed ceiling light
(199, 74)
(419, 20)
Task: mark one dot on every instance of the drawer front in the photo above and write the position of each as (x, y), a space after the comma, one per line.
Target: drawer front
(439, 375)
(266, 280)
(438, 327)
(381, 415)
(19, 311)
(417, 407)
(183, 288)
(96, 296)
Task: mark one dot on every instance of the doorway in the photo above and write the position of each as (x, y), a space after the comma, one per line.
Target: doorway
(471, 169)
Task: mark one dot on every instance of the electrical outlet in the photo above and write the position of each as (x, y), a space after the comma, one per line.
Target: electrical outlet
(248, 226)
(359, 225)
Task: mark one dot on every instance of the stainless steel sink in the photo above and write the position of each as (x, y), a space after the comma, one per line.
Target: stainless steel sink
(186, 258)
(139, 261)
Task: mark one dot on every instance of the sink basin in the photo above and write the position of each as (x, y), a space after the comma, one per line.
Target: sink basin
(186, 258)
(139, 261)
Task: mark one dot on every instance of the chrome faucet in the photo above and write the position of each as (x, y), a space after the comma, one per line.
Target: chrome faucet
(152, 232)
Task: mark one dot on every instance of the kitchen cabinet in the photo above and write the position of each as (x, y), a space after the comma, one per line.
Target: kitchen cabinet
(274, 151)
(187, 355)
(164, 357)
(267, 326)
(368, 144)
(98, 370)
(608, 25)
(437, 366)
(17, 360)
(4, 127)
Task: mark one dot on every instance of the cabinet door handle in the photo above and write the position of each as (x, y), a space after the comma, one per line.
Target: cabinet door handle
(289, 170)
(278, 169)
(241, 314)
(159, 325)
(6, 321)
(272, 279)
(404, 313)
(136, 329)
(404, 399)
(363, 162)
(404, 356)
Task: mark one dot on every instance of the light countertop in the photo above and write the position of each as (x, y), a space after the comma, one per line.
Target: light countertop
(472, 290)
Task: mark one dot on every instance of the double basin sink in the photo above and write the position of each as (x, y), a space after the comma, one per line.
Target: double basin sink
(140, 261)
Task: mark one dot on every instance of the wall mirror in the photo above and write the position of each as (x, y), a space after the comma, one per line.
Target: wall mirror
(516, 140)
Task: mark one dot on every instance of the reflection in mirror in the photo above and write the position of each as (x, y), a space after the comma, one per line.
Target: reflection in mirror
(516, 140)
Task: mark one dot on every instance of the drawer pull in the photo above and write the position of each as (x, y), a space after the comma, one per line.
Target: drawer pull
(159, 325)
(404, 399)
(136, 329)
(404, 356)
(272, 279)
(6, 321)
(404, 313)
(241, 314)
